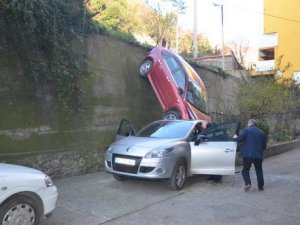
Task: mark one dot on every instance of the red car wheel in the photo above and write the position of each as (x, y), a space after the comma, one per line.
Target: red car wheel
(146, 67)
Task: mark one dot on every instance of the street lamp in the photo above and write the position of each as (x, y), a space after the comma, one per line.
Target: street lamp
(222, 21)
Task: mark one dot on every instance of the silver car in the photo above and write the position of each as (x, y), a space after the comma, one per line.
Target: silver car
(172, 150)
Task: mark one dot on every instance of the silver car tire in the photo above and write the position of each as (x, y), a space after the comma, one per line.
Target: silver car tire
(146, 67)
(177, 181)
(20, 210)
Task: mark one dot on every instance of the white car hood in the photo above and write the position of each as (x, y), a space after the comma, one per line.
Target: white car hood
(15, 170)
(140, 146)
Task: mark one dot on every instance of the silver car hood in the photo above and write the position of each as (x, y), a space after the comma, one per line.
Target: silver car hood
(140, 146)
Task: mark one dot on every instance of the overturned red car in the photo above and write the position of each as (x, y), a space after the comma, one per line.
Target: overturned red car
(177, 86)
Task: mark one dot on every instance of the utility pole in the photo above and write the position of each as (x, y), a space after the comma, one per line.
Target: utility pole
(222, 21)
(223, 64)
(195, 46)
(177, 32)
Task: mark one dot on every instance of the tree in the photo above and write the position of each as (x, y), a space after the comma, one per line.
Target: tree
(160, 26)
(180, 7)
(262, 97)
(122, 15)
(186, 44)
(280, 69)
(240, 49)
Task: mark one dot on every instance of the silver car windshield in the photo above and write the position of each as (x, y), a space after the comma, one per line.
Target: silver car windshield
(166, 129)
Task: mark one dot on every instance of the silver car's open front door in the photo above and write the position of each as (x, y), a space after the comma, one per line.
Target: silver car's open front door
(125, 129)
(215, 151)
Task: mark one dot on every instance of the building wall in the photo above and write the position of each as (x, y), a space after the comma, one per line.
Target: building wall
(288, 31)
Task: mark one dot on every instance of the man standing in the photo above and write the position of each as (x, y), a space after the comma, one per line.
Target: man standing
(254, 143)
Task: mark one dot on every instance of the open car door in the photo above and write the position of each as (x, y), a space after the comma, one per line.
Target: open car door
(125, 129)
(214, 150)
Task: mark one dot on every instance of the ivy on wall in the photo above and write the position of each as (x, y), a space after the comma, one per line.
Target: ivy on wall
(41, 32)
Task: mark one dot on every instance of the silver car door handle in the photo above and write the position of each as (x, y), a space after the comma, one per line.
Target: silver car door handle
(168, 78)
(159, 62)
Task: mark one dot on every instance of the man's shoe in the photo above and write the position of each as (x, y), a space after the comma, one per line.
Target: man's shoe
(247, 187)
(261, 189)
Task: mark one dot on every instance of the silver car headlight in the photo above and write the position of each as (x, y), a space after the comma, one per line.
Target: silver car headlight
(159, 152)
(48, 181)
(110, 149)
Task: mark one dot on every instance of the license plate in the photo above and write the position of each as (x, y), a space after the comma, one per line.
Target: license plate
(130, 162)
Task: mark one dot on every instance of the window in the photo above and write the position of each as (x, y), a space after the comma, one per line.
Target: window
(125, 128)
(176, 70)
(179, 78)
(195, 96)
(266, 54)
(221, 132)
(172, 64)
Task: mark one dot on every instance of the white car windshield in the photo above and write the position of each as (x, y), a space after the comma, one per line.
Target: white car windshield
(166, 129)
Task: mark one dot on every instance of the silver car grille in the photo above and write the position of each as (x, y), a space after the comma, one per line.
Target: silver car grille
(126, 168)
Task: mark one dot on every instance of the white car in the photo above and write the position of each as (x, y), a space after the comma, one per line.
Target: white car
(25, 195)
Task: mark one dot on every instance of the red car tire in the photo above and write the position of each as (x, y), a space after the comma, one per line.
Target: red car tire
(146, 67)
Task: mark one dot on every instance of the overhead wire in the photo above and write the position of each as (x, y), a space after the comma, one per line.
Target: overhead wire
(266, 14)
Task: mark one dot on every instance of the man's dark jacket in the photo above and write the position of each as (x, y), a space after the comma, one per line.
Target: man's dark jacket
(254, 143)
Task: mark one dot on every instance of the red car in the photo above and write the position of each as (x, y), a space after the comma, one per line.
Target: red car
(177, 86)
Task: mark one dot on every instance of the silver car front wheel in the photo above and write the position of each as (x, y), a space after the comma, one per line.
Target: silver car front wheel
(177, 181)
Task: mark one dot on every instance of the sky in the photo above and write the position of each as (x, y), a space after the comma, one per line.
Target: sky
(243, 20)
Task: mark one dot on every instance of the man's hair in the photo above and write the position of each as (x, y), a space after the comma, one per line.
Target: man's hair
(252, 122)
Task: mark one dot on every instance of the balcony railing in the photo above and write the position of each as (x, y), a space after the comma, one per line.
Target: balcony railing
(263, 66)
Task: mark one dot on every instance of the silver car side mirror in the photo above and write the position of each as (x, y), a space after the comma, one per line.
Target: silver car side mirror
(199, 139)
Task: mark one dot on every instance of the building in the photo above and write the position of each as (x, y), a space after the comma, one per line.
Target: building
(230, 61)
(280, 40)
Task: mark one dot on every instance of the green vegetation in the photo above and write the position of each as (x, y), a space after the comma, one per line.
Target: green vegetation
(41, 33)
(261, 97)
(127, 19)
(264, 99)
(186, 44)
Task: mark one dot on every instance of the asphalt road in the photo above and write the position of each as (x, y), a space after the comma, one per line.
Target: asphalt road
(96, 199)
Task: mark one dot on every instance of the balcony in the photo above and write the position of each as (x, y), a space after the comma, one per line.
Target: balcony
(268, 41)
(263, 68)
(266, 55)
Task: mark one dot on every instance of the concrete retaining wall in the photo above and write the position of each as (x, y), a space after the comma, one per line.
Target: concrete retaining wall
(35, 132)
